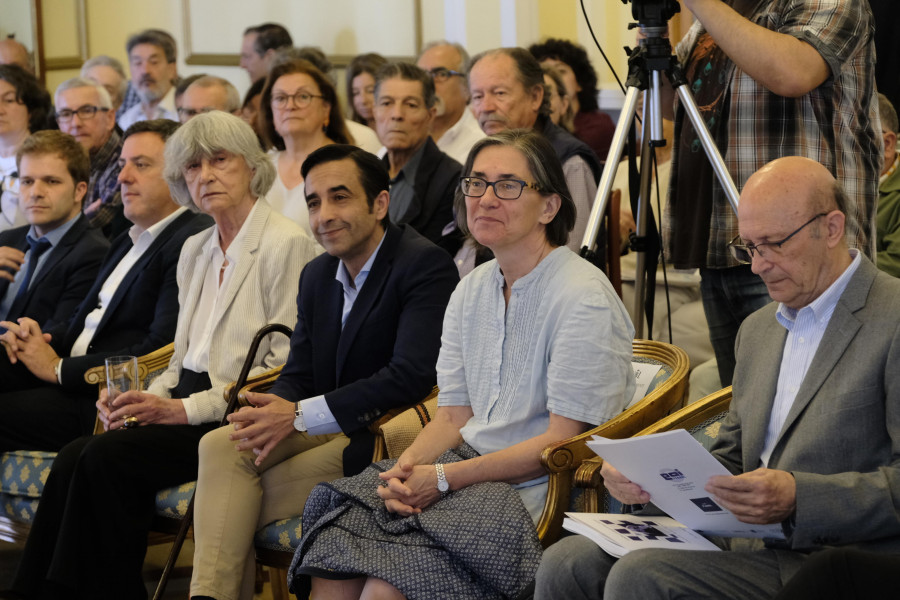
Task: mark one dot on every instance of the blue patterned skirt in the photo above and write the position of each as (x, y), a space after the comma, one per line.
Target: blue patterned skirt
(478, 542)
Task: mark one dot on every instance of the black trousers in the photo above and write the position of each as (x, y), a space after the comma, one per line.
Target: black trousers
(44, 418)
(89, 535)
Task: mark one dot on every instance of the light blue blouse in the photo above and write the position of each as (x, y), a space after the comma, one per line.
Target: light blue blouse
(563, 345)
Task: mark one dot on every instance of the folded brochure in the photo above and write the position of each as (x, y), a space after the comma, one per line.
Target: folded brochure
(620, 534)
(673, 468)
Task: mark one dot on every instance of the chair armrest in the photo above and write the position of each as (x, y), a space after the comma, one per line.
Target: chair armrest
(588, 478)
(397, 428)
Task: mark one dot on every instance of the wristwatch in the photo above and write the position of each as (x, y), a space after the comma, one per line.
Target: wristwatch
(442, 485)
(299, 423)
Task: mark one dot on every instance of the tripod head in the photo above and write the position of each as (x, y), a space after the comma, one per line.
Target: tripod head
(653, 13)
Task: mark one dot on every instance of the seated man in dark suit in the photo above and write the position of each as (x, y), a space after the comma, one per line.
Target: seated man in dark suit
(131, 309)
(813, 430)
(366, 341)
(423, 179)
(47, 267)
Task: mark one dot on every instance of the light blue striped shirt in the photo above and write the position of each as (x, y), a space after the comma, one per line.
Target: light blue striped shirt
(805, 328)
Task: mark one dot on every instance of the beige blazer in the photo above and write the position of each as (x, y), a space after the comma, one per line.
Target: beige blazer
(262, 290)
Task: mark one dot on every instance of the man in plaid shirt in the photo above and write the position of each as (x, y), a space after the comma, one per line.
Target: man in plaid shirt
(771, 78)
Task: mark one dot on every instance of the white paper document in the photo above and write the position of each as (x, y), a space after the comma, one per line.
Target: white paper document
(673, 468)
(620, 534)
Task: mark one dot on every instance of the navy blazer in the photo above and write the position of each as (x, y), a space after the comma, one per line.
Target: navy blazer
(385, 356)
(65, 276)
(142, 313)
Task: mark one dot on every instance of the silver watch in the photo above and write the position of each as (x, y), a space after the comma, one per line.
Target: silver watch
(443, 485)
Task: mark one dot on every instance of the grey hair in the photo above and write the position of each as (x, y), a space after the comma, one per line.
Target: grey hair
(463, 66)
(545, 167)
(203, 136)
(154, 37)
(528, 71)
(104, 60)
(80, 82)
(232, 97)
(406, 72)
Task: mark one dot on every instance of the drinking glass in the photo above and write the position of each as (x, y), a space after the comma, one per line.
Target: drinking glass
(121, 377)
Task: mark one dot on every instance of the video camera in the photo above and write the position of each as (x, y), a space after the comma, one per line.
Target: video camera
(653, 13)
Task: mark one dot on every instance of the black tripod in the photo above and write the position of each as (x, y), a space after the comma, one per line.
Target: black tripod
(645, 65)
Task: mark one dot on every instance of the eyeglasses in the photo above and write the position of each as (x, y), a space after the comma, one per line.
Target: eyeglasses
(301, 99)
(189, 113)
(85, 113)
(505, 189)
(744, 253)
(443, 74)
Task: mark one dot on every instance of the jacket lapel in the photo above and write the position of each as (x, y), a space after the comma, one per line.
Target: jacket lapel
(841, 330)
(371, 291)
(767, 360)
(246, 257)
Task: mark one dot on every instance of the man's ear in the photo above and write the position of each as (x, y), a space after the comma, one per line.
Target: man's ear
(380, 204)
(835, 222)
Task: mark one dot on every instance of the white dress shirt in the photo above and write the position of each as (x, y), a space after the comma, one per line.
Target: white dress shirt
(164, 110)
(218, 276)
(141, 240)
(459, 139)
(805, 328)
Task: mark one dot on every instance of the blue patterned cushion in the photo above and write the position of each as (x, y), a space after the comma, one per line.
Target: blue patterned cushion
(24, 472)
(18, 508)
(281, 535)
(707, 432)
(173, 502)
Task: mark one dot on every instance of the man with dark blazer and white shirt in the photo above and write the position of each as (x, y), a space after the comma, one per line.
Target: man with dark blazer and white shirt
(131, 309)
(813, 432)
(367, 337)
(47, 267)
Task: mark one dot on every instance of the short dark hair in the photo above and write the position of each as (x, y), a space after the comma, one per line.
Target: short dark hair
(53, 141)
(269, 36)
(546, 169)
(407, 72)
(373, 175)
(528, 71)
(186, 82)
(577, 58)
(164, 128)
(29, 92)
(369, 63)
(155, 37)
(336, 128)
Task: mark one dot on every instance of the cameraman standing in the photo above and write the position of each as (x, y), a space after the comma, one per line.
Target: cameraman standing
(771, 78)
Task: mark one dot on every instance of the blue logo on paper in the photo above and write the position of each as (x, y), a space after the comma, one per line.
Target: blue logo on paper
(671, 475)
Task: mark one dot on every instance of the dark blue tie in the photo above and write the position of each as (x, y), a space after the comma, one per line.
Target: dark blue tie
(37, 247)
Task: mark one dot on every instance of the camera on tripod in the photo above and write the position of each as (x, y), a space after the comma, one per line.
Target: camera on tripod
(653, 13)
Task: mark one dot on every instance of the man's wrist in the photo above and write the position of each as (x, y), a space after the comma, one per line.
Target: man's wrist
(299, 421)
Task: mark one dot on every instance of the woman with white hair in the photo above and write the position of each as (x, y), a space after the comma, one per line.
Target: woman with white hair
(233, 278)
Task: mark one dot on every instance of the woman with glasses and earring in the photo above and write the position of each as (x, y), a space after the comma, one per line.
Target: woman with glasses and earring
(536, 348)
(300, 113)
(24, 109)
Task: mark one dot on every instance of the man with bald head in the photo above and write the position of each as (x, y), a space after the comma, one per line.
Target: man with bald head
(208, 93)
(453, 129)
(814, 424)
(14, 53)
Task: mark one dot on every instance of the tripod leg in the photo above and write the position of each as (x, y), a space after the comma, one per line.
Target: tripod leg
(609, 170)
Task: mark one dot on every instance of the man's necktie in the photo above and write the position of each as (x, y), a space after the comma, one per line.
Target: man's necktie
(37, 247)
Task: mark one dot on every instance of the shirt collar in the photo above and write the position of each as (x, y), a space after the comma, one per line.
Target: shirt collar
(136, 232)
(408, 172)
(57, 234)
(343, 275)
(823, 306)
(237, 242)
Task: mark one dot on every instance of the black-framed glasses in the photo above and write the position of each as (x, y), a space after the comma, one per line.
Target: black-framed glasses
(443, 73)
(744, 253)
(505, 189)
(301, 99)
(84, 112)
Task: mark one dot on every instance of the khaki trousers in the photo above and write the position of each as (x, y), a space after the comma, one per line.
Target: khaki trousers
(235, 499)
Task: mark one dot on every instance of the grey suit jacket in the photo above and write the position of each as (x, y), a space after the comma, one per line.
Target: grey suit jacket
(262, 290)
(841, 439)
